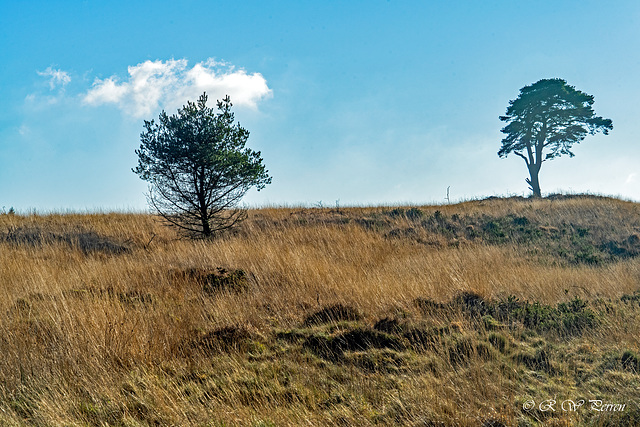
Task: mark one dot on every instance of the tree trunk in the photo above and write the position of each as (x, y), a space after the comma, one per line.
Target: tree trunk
(206, 228)
(534, 182)
(204, 218)
(202, 203)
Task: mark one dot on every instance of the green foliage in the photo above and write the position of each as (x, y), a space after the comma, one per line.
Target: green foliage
(570, 318)
(395, 212)
(490, 323)
(567, 242)
(543, 123)
(494, 232)
(414, 213)
(631, 299)
(198, 167)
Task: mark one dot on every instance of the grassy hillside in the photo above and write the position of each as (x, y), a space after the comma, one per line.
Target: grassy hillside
(432, 316)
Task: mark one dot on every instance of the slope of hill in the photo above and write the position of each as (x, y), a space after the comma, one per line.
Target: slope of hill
(478, 313)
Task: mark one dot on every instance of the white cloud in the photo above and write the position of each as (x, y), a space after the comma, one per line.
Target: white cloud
(169, 84)
(56, 77)
(631, 178)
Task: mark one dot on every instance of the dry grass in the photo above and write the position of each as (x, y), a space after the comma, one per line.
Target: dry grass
(111, 319)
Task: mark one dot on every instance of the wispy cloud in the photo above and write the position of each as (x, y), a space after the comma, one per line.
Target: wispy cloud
(631, 178)
(169, 84)
(56, 77)
(24, 130)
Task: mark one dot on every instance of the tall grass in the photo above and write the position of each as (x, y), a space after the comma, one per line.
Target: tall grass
(90, 335)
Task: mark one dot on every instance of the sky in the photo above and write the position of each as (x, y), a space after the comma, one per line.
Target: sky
(350, 103)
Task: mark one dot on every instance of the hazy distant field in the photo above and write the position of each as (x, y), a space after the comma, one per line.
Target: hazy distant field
(469, 314)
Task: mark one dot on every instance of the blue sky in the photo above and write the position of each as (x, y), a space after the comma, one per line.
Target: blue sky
(365, 102)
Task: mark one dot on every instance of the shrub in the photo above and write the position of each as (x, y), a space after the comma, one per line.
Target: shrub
(229, 338)
(414, 213)
(630, 361)
(567, 319)
(359, 339)
(333, 313)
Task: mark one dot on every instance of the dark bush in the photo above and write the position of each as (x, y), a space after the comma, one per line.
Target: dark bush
(630, 361)
(493, 232)
(539, 361)
(428, 338)
(323, 347)
(360, 339)
(225, 280)
(428, 306)
(87, 242)
(472, 303)
(395, 212)
(631, 299)
(422, 339)
(229, 338)
(414, 213)
(567, 319)
(390, 326)
(521, 220)
(333, 313)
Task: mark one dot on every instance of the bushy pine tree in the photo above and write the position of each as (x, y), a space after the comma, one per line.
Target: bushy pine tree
(198, 167)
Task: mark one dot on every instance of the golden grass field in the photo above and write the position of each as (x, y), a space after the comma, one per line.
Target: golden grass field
(428, 316)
